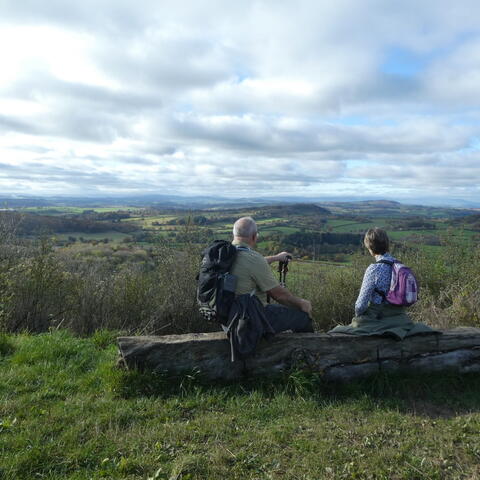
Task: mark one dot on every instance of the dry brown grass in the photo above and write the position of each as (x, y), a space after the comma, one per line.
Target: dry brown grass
(152, 290)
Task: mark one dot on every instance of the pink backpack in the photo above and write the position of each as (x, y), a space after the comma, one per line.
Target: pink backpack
(403, 286)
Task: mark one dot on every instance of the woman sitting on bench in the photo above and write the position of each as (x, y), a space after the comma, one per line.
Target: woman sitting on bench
(374, 315)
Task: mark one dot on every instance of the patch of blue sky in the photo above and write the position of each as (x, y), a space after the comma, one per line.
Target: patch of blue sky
(473, 146)
(242, 73)
(402, 62)
(408, 63)
(351, 120)
(184, 107)
(361, 162)
(359, 120)
(241, 76)
(475, 143)
(467, 117)
(346, 120)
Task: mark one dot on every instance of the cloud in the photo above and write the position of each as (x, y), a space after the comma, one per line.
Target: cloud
(291, 135)
(312, 98)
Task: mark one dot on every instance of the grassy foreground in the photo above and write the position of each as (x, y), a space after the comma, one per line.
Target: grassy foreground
(66, 412)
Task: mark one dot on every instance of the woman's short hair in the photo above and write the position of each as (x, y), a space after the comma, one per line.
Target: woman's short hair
(376, 239)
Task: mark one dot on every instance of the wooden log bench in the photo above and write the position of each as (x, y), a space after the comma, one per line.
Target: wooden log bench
(337, 357)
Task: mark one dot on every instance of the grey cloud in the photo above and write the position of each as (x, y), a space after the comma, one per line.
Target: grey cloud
(8, 123)
(5, 168)
(168, 64)
(114, 16)
(260, 134)
(75, 177)
(160, 150)
(402, 176)
(73, 121)
(43, 87)
(131, 160)
(32, 148)
(77, 111)
(455, 79)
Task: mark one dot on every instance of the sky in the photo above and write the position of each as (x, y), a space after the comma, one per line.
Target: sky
(320, 99)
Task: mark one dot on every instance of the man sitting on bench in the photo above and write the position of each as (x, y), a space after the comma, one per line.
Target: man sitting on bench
(254, 274)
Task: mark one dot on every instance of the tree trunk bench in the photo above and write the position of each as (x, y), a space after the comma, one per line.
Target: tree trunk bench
(337, 357)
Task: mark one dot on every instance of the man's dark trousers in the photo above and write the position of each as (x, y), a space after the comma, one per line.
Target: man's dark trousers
(282, 318)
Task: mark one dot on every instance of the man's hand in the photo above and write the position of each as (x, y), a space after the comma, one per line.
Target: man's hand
(306, 306)
(279, 257)
(282, 257)
(282, 295)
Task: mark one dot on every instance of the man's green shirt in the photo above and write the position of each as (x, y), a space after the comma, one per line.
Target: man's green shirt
(253, 273)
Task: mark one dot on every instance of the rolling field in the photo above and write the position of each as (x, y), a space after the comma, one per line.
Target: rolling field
(179, 227)
(342, 226)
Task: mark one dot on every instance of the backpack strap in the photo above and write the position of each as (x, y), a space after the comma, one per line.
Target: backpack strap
(376, 290)
(382, 294)
(386, 262)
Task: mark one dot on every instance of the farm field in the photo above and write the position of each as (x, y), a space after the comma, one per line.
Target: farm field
(343, 226)
(305, 230)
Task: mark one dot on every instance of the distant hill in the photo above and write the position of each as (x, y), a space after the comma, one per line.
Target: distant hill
(377, 203)
(296, 209)
(292, 206)
(393, 209)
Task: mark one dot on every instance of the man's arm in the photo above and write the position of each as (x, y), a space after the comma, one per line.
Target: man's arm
(282, 295)
(279, 257)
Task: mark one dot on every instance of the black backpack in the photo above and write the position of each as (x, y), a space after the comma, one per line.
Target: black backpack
(216, 286)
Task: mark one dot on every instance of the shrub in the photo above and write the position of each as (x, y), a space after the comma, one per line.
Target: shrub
(34, 292)
(152, 291)
(331, 289)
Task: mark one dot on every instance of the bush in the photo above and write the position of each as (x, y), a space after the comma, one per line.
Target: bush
(152, 291)
(149, 292)
(449, 285)
(331, 289)
(35, 291)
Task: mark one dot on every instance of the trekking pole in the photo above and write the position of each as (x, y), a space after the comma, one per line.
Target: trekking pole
(283, 270)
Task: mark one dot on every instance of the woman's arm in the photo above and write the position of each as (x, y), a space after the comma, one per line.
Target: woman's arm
(366, 290)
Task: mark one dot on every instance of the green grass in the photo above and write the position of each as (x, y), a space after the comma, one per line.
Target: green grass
(279, 229)
(346, 226)
(66, 412)
(266, 221)
(462, 234)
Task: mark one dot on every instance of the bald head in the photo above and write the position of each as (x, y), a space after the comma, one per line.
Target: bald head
(244, 228)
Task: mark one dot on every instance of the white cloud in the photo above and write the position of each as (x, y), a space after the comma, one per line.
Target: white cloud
(262, 97)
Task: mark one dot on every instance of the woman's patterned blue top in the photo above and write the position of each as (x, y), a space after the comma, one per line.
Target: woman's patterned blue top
(377, 275)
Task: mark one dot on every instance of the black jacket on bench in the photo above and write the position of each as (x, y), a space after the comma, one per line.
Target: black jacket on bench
(247, 325)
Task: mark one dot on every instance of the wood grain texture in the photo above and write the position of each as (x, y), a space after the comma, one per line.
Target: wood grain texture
(337, 357)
